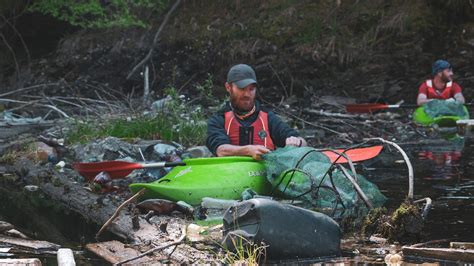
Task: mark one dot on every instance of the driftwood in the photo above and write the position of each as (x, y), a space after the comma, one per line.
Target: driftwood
(114, 251)
(30, 262)
(35, 245)
(117, 212)
(462, 245)
(454, 254)
(5, 226)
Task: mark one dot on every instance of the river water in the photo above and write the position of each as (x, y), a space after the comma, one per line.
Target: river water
(443, 171)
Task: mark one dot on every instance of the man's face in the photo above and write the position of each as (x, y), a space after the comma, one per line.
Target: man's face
(242, 99)
(446, 75)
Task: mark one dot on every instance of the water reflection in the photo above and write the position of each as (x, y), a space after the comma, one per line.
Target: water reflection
(442, 160)
(444, 164)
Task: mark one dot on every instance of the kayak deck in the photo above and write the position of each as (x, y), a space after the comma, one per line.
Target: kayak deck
(421, 117)
(217, 177)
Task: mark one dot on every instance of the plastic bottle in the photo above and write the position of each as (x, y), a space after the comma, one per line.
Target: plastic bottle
(46, 153)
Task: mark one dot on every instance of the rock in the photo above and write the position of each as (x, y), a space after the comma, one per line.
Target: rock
(197, 152)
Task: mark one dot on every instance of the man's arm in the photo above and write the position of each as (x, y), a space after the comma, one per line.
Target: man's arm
(457, 91)
(282, 134)
(422, 99)
(255, 151)
(422, 94)
(459, 98)
(216, 135)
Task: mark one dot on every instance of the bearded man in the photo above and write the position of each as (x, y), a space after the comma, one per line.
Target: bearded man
(441, 86)
(243, 127)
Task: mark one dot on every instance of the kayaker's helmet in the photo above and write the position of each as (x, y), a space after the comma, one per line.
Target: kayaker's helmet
(439, 66)
(241, 75)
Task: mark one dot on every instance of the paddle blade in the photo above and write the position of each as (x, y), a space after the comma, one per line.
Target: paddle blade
(356, 155)
(116, 169)
(365, 107)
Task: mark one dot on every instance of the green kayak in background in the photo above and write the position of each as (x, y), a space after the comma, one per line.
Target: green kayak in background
(440, 113)
(216, 177)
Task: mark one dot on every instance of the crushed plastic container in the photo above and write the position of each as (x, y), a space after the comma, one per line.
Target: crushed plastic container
(46, 153)
(289, 232)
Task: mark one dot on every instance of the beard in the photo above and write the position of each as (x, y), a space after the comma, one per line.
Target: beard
(446, 78)
(242, 105)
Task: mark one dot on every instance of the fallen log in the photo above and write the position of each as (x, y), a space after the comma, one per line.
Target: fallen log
(462, 245)
(453, 254)
(30, 262)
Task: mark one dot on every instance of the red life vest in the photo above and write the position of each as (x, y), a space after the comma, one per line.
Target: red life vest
(261, 132)
(432, 93)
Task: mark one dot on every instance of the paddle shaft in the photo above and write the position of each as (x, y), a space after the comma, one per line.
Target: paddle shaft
(161, 164)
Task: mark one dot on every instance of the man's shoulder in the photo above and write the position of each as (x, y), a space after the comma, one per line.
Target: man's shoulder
(265, 108)
(455, 84)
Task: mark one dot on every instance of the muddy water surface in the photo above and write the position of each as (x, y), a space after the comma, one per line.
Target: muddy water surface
(443, 172)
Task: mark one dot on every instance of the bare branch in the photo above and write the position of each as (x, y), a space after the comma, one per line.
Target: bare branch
(27, 88)
(117, 211)
(155, 40)
(17, 67)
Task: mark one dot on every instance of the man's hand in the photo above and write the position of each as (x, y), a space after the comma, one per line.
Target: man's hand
(295, 141)
(256, 151)
(450, 100)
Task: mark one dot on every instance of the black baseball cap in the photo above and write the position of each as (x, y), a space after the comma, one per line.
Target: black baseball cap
(241, 75)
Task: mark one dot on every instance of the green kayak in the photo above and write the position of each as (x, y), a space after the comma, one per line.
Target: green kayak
(421, 117)
(216, 177)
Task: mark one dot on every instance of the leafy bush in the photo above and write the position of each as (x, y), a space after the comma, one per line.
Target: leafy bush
(97, 13)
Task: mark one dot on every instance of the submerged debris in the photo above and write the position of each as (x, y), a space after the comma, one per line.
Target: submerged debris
(404, 225)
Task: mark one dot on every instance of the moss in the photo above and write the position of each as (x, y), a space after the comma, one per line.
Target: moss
(405, 225)
(372, 221)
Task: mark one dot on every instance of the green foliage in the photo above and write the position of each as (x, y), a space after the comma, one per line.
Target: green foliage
(205, 92)
(98, 14)
(245, 252)
(176, 120)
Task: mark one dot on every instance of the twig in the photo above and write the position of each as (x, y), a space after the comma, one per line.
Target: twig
(186, 83)
(26, 88)
(302, 120)
(28, 56)
(322, 113)
(117, 211)
(356, 187)
(155, 40)
(174, 243)
(44, 105)
(17, 67)
(279, 79)
(146, 85)
(100, 97)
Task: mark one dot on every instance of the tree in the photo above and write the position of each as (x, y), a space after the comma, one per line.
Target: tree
(99, 14)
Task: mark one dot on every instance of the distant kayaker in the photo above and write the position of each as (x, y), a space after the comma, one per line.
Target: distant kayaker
(243, 127)
(441, 86)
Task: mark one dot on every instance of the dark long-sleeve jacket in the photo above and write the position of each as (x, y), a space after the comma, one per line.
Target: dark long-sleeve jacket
(216, 134)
